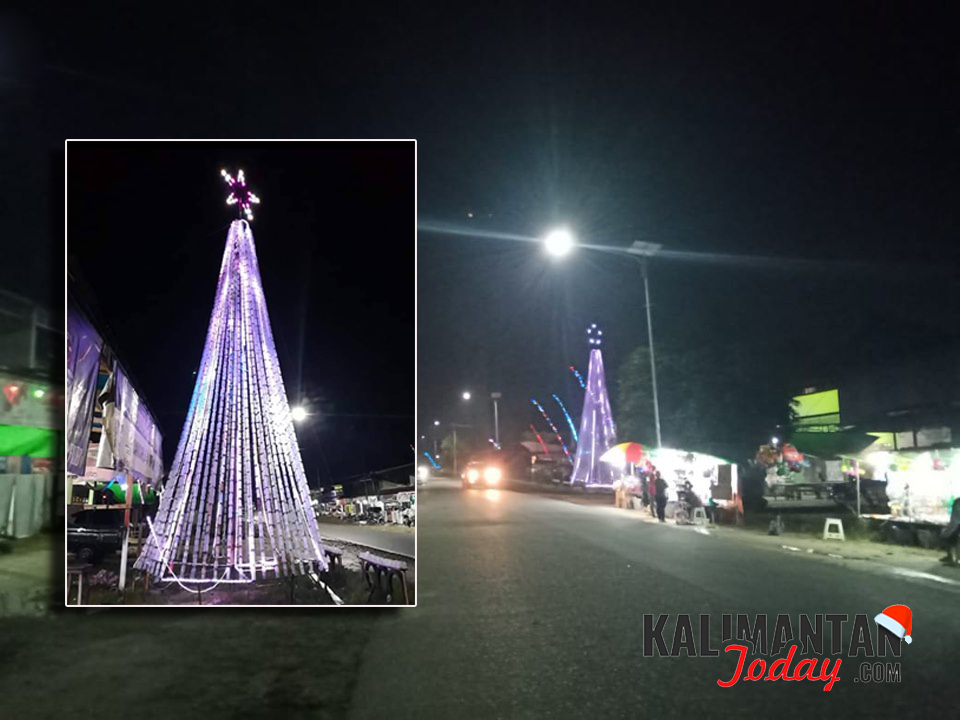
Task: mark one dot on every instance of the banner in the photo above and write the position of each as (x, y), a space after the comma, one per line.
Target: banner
(83, 361)
(138, 440)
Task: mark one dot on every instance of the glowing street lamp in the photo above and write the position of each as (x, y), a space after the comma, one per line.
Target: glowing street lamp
(559, 242)
(299, 414)
(466, 395)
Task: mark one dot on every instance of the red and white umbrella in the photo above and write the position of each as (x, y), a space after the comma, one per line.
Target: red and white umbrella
(623, 454)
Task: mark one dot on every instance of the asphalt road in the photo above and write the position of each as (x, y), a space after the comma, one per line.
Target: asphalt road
(394, 539)
(532, 607)
(529, 607)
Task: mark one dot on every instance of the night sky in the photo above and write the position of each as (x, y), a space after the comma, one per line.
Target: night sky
(335, 242)
(828, 133)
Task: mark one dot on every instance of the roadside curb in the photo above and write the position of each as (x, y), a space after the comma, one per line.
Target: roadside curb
(840, 552)
(385, 551)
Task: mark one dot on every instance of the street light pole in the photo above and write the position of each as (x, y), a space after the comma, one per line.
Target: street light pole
(646, 250)
(653, 362)
(496, 419)
(560, 242)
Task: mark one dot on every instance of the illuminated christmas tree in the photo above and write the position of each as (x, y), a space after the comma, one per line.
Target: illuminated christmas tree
(597, 431)
(236, 506)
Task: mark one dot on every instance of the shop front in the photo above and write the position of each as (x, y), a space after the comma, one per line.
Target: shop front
(921, 485)
(114, 446)
(710, 479)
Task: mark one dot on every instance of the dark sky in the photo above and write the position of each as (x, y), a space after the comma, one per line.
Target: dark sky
(828, 132)
(335, 241)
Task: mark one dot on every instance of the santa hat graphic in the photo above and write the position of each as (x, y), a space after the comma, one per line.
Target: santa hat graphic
(897, 619)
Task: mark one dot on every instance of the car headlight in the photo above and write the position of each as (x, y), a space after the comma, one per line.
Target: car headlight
(492, 474)
(473, 475)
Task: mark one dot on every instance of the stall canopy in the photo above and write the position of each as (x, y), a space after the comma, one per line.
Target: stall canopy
(27, 441)
(832, 444)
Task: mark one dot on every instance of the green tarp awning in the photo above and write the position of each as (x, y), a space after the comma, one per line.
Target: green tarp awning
(119, 492)
(29, 441)
(828, 445)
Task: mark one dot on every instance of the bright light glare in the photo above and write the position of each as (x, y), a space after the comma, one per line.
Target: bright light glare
(492, 475)
(299, 414)
(473, 475)
(466, 395)
(436, 423)
(492, 495)
(423, 472)
(558, 242)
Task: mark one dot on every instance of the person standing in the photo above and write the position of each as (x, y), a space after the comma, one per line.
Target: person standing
(951, 535)
(661, 496)
(652, 492)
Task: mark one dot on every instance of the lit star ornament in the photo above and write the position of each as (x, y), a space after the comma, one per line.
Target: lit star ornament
(240, 195)
(594, 335)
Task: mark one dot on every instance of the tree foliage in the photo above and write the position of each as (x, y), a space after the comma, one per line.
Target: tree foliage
(723, 400)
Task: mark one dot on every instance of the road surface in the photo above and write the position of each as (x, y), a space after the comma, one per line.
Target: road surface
(529, 607)
(400, 540)
(532, 607)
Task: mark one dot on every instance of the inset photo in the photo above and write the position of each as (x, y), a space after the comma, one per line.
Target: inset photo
(240, 374)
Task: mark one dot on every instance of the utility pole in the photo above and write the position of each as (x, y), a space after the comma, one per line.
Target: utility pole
(456, 461)
(653, 362)
(496, 419)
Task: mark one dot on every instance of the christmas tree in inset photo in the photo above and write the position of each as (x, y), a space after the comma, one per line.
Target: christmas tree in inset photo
(236, 506)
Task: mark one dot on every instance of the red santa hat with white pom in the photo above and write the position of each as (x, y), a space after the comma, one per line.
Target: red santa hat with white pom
(898, 619)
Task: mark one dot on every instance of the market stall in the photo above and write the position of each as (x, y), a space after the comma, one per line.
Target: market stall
(921, 485)
(709, 476)
(706, 476)
(28, 452)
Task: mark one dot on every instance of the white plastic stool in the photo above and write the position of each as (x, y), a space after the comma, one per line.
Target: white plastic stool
(699, 516)
(833, 529)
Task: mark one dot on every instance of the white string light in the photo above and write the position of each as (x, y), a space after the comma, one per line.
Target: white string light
(237, 505)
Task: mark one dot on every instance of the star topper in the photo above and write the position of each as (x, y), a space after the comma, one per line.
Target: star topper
(594, 335)
(240, 195)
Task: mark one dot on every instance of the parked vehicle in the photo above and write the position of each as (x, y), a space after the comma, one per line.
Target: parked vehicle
(92, 534)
